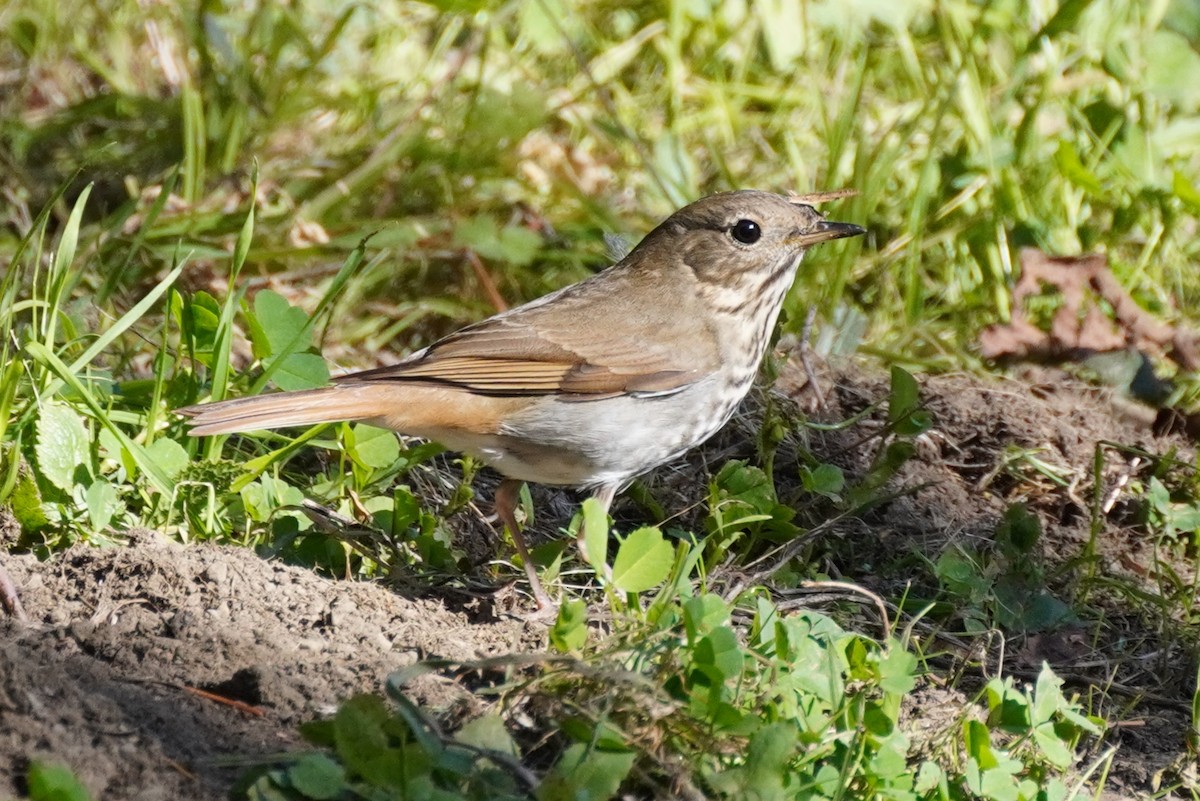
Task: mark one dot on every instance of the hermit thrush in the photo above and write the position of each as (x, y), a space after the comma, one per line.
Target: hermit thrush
(598, 382)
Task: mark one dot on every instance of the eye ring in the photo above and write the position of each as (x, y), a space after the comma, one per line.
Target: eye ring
(746, 231)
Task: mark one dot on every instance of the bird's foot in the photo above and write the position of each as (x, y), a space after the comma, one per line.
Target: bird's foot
(546, 611)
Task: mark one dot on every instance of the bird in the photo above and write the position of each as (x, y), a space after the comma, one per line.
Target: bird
(596, 383)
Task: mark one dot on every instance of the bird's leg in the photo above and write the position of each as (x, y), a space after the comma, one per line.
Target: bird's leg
(10, 602)
(508, 494)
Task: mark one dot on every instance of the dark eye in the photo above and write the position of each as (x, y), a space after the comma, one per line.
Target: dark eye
(746, 231)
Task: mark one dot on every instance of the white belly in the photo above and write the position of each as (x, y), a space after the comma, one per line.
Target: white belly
(607, 441)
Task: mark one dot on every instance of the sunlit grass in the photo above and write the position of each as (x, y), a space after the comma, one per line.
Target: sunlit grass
(967, 130)
(163, 165)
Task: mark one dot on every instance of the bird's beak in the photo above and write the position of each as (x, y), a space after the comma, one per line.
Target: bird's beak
(826, 230)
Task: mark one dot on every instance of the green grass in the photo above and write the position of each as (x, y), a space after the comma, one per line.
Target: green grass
(200, 200)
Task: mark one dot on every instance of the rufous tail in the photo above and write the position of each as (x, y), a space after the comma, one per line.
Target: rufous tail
(281, 409)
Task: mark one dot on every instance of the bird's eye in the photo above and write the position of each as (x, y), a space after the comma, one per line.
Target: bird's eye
(746, 231)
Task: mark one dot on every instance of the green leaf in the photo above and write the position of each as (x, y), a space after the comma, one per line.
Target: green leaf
(973, 777)
(1158, 495)
(824, 479)
(69, 240)
(978, 743)
(54, 782)
(360, 729)
(904, 396)
(241, 248)
(319, 732)
(569, 631)
(1136, 153)
(930, 776)
(62, 447)
(103, 503)
(891, 759)
(300, 371)
(704, 614)
(867, 491)
(748, 485)
(768, 761)
(585, 774)
(480, 233)
(267, 788)
(960, 574)
(1184, 518)
(169, 455)
(60, 275)
(1000, 785)
(318, 777)
(643, 560)
(595, 535)
(721, 650)
(1044, 612)
(674, 163)
(152, 471)
(199, 316)
(904, 404)
(897, 670)
(264, 498)
(1019, 528)
(1047, 696)
(828, 781)
(375, 447)
(25, 501)
(1053, 748)
(278, 323)
(1008, 707)
(488, 732)
(1053, 789)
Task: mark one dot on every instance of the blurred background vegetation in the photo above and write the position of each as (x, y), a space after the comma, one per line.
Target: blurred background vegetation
(523, 131)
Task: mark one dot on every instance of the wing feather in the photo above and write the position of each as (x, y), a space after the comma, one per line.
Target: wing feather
(592, 341)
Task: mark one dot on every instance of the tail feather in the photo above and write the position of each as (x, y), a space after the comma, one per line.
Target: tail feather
(281, 409)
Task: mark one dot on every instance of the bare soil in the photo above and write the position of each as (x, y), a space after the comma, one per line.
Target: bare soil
(108, 674)
(105, 679)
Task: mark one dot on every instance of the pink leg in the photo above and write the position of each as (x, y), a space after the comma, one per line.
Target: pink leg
(507, 496)
(9, 600)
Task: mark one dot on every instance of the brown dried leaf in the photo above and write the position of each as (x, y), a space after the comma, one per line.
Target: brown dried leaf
(1081, 327)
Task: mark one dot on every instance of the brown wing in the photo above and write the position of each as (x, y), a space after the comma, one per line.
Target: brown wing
(593, 340)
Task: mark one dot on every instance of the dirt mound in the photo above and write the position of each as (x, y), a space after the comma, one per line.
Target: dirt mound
(104, 679)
